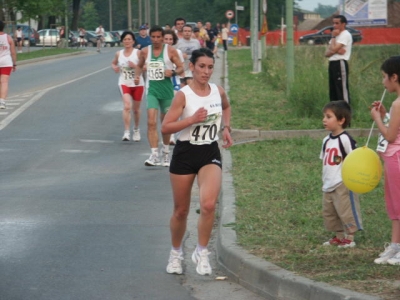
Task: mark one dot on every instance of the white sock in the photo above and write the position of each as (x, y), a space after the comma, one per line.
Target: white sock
(200, 248)
(166, 148)
(154, 151)
(179, 249)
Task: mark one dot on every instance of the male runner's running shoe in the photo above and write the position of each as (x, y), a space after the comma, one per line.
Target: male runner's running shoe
(3, 105)
(136, 135)
(126, 135)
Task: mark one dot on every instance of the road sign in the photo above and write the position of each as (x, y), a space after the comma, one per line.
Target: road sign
(239, 7)
(234, 28)
(229, 14)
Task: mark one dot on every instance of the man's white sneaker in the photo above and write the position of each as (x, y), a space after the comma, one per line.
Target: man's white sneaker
(152, 161)
(165, 159)
(3, 105)
(126, 135)
(136, 135)
(175, 262)
(203, 264)
(386, 255)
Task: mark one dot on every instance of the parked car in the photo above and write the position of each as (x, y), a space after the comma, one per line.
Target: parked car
(193, 24)
(91, 39)
(110, 39)
(324, 35)
(48, 37)
(31, 36)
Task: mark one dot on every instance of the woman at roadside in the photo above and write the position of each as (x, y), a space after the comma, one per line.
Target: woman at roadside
(196, 112)
(8, 63)
(124, 63)
(19, 37)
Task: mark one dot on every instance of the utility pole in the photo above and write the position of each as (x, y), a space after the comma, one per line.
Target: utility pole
(289, 45)
(110, 6)
(147, 12)
(129, 15)
(140, 12)
(156, 12)
(254, 36)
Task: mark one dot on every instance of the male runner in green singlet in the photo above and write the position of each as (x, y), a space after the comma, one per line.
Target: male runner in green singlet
(159, 59)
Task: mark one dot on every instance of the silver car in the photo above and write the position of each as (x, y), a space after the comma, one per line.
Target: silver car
(48, 37)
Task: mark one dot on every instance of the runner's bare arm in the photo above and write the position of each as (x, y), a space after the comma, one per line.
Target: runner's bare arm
(140, 65)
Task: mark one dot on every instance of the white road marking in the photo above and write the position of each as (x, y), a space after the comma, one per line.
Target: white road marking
(77, 151)
(97, 141)
(35, 98)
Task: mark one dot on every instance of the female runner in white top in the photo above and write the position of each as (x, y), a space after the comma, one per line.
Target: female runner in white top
(196, 112)
(124, 63)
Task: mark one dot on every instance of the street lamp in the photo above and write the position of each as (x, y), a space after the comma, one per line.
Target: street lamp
(110, 2)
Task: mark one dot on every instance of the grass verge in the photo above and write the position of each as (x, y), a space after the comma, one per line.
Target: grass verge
(44, 52)
(278, 186)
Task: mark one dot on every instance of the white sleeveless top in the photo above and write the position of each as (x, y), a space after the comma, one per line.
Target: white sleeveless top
(207, 131)
(5, 53)
(127, 74)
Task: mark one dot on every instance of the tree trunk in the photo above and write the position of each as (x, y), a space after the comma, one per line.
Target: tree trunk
(75, 14)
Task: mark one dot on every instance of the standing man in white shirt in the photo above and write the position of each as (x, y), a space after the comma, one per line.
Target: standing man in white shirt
(100, 36)
(339, 51)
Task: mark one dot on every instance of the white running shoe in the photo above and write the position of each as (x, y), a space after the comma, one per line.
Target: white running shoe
(395, 260)
(3, 105)
(203, 264)
(386, 255)
(136, 135)
(126, 135)
(152, 161)
(165, 159)
(175, 262)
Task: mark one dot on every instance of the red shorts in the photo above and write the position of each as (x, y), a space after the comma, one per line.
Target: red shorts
(6, 70)
(136, 92)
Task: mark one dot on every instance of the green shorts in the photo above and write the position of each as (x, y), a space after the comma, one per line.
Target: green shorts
(162, 104)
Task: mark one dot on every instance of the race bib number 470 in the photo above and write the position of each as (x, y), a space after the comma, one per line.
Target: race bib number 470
(206, 132)
(155, 70)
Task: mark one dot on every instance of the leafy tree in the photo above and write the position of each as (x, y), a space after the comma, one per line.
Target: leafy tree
(325, 11)
(90, 17)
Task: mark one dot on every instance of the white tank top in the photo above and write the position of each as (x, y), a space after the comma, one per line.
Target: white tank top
(127, 74)
(5, 54)
(207, 131)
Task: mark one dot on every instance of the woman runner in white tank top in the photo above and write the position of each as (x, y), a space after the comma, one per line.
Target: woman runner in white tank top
(196, 111)
(124, 63)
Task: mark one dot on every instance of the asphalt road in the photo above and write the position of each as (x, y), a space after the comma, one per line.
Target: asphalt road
(81, 217)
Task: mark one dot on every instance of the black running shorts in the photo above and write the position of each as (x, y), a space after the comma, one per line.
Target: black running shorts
(189, 159)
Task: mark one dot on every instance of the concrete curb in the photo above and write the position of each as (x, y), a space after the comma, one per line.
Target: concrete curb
(256, 274)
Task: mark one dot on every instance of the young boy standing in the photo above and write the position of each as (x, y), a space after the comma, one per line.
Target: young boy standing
(341, 207)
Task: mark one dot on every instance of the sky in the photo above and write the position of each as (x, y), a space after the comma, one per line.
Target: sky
(313, 4)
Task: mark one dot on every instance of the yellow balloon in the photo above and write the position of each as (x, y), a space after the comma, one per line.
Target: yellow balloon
(361, 170)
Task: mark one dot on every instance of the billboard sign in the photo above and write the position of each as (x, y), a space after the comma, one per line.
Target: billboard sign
(364, 12)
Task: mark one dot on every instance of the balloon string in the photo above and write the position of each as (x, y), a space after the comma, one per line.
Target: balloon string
(373, 123)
